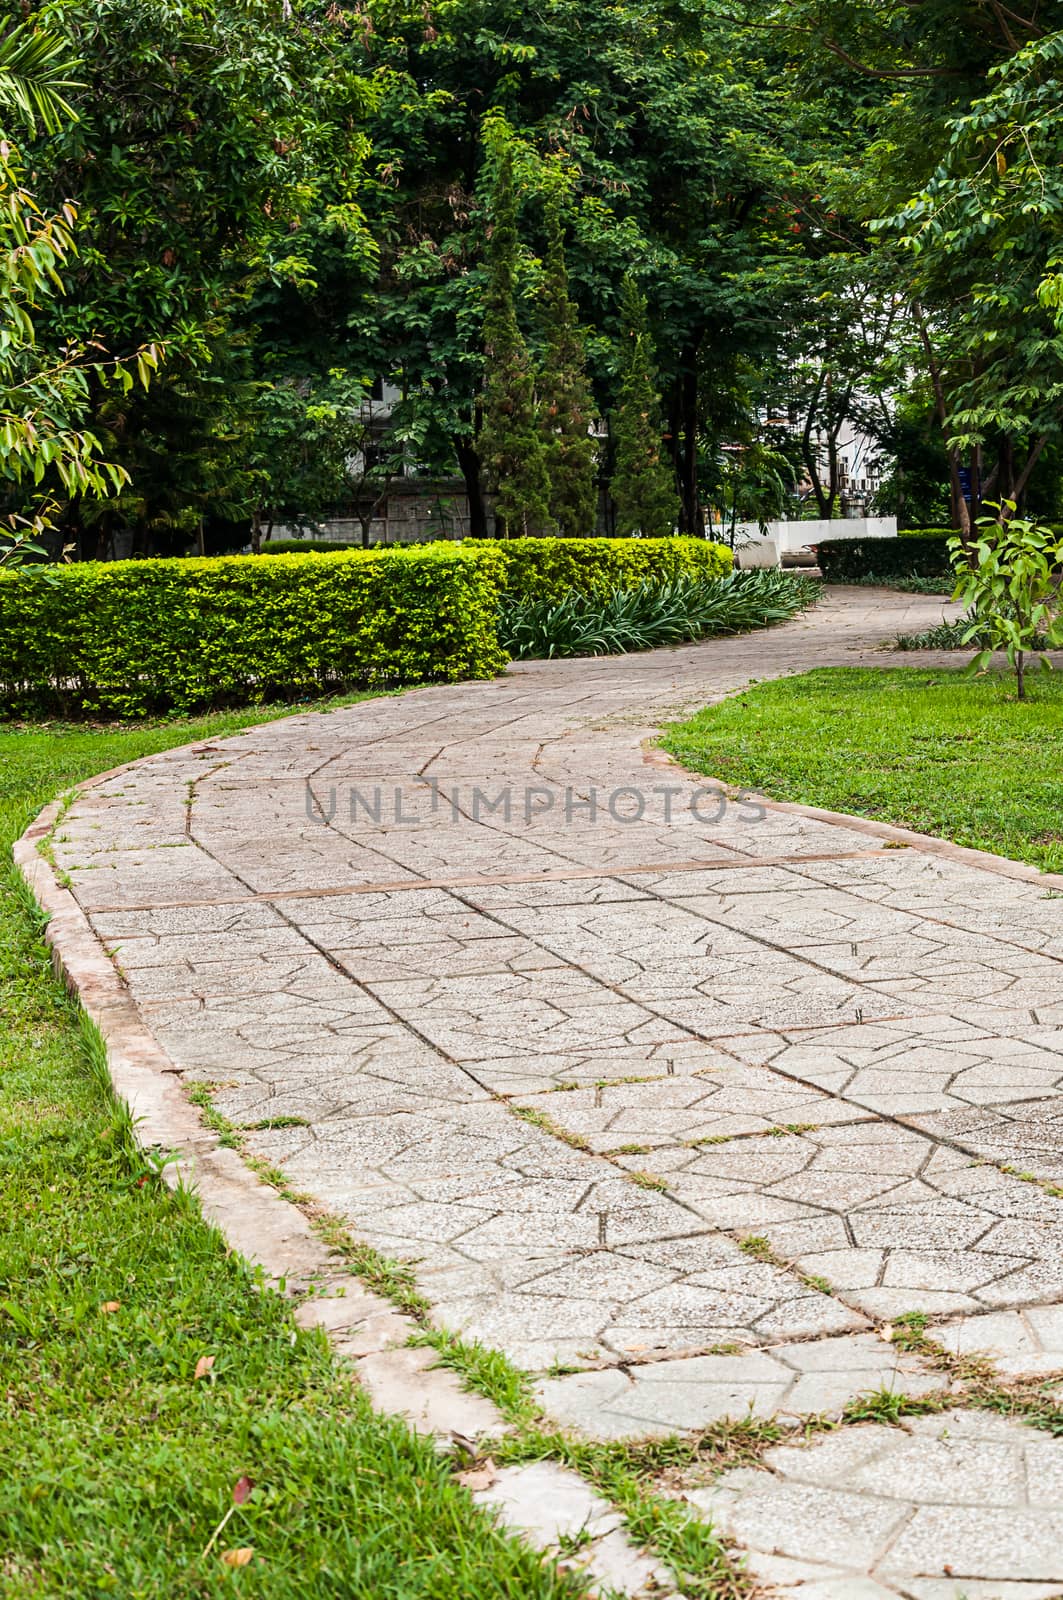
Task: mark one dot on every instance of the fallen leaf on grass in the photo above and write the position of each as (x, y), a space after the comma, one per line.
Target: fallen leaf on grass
(238, 1558)
(242, 1491)
(111, 1305)
(481, 1477)
(203, 1366)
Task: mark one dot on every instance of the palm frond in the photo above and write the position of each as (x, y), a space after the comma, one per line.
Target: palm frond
(35, 69)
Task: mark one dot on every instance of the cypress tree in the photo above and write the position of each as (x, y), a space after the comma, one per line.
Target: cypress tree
(510, 442)
(566, 403)
(643, 486)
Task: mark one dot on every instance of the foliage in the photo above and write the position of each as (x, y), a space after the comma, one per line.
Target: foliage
(565, 400)
(642, 485)
(955, 635)
(649, 119)
(917, 555)
(651, 614)
(510, 443)
(308, 546)
(983, 238)
(45, 448)
(35, 69)
(129, 638)
(547, 569)
(1010, 574)
(193, 162)
(322, 444)
(929, 750)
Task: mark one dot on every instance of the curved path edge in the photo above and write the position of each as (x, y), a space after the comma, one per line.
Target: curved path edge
(544, 1503)
(275, 1234)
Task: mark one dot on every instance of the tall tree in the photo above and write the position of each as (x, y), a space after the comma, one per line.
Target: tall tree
(670, 151)
(510, 444)
(643, 486)
(951, 177)
(194, 162)
(566, 402)
(47, 451)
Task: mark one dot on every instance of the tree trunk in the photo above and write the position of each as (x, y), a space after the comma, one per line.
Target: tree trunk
(256, 532)
(808, 454)
(691, 519)
(1020, 675)
(961, 516)
(1021, 482)
(469, 465)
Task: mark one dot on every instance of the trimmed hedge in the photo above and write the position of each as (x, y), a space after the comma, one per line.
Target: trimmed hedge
(914, 556)
(546, 569)
(135, 637)
(318, 547)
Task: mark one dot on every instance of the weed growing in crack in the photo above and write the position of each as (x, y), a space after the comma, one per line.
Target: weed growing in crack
(540, 1120)
(648, 1180)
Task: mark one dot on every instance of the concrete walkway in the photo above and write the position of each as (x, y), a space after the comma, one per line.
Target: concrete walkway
(678, 1101)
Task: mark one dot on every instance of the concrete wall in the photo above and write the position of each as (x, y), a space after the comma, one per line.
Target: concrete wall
(789, 537)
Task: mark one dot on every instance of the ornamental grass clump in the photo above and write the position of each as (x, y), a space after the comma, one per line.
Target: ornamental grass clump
(651, 614)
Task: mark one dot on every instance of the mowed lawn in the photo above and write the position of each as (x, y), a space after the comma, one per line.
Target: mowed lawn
(936, 751)
(116, 1462)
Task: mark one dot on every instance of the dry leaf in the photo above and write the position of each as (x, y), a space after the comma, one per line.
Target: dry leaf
(238, 1558)
(481, 1477)
(111, 1305)
(886, 1332)
(203, 1366)
(242, 1491)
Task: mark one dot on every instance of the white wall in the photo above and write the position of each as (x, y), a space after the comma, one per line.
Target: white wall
(791, 536)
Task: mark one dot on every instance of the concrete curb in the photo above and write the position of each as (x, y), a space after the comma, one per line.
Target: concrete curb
(543, 1503)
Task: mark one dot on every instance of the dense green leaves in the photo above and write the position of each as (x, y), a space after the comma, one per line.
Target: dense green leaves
(652, 614)
(642, 487)
(511, 445)
(129, 638)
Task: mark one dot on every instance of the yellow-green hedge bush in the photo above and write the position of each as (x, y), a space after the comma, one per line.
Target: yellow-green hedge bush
(544, 569)
(134, 637)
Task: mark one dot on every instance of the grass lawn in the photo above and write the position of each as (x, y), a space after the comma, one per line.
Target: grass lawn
(947, 755)
(117, 1463)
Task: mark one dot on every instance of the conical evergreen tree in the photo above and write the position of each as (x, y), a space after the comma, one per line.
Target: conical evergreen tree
(643, 486)
(565, 399)
(510, 442)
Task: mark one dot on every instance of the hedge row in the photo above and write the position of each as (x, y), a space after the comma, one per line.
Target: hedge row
(545, 569)
(550, 567)
(914, 556)
(133, 638)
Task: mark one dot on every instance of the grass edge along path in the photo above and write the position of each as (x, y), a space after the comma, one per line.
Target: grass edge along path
(151, 1386)
(928, 749)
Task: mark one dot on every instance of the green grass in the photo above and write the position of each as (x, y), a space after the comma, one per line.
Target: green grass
(938, 752)
(117, 1463)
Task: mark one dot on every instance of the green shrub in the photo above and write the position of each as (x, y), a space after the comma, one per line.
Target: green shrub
(133, 637)
(651, 614)
(546, 569)
(914, 556)
(315, 547)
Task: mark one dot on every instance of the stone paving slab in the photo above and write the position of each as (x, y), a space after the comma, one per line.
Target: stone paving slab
(671, 1096)
(908, 1067)
(945, 1500)
(786, 1381)
(717, 1102)
(893, 1222)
